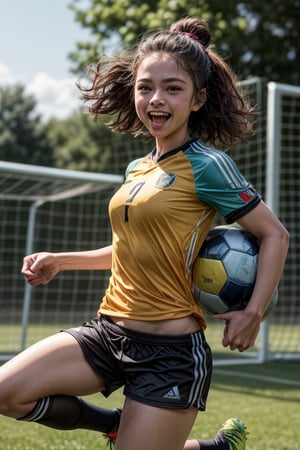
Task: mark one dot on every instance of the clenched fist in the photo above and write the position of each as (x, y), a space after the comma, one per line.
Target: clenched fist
(40, 268)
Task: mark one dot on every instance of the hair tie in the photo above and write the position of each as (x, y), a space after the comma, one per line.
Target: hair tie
(191, 35)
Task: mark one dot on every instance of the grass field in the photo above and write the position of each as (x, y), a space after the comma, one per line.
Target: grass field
(283, 338)
(266, 397)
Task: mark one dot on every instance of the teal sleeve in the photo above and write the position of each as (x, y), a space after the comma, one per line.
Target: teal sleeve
(219, 183)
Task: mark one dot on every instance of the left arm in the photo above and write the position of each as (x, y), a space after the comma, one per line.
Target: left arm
(243, 326)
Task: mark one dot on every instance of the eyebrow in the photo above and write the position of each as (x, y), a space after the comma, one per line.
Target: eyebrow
(166, 80)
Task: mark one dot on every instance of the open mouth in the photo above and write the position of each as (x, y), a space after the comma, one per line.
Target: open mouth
(158, 117)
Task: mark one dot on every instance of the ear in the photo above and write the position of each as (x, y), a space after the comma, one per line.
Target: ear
(200, 100)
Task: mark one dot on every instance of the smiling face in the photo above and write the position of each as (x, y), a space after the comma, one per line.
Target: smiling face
(164, 100)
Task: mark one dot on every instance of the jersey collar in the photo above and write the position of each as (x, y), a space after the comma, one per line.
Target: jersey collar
(171, 152)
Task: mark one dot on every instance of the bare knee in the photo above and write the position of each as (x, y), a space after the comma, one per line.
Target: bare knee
(13, 402)
(11, 406)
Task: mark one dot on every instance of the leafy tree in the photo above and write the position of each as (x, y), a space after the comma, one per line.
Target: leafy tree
(82, 143)
(262, 37)
(23, 137)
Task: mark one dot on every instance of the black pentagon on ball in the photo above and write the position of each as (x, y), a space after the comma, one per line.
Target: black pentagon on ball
(215, 247)
(236, 295)
(219, 241)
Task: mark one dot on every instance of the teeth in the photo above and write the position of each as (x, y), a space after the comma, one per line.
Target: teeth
(159, 114)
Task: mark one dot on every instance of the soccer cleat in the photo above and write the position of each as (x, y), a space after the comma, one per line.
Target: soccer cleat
(234, 433)
(111, 436)
(111, 439)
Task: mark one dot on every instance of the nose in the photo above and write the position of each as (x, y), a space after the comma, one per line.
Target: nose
(157, 98)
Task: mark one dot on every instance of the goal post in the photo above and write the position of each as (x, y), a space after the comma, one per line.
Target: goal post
(24, 191)
(282, 196)
(271, 162)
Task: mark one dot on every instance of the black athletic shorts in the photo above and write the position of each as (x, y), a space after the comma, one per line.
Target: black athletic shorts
(159, 370)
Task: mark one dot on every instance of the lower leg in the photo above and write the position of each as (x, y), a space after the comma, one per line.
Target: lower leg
(192, 444)
(214, 444)
(67, 412)
(231, 436)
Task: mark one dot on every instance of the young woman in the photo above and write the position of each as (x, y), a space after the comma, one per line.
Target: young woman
(149, 333)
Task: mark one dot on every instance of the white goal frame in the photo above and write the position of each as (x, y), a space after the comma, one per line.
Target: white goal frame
(276, 93)
(274, 176)
(72, 183)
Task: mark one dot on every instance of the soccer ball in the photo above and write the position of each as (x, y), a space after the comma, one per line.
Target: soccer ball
(225, 269)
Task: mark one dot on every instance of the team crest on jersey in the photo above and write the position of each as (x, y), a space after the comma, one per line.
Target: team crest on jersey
(165, 180)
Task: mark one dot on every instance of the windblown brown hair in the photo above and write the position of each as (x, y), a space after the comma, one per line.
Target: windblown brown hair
(226, 115)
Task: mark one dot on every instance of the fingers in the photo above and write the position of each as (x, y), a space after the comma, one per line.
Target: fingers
(225, 316)
(36, 279)
(240, 332)
(241, 346)
(38, 268)
(238, 341)
(27, 263)
(234, 344)
(33, 263)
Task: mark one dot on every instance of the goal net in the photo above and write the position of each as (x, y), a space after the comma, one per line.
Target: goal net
(271, 162)
(282, 195)
(45, 209)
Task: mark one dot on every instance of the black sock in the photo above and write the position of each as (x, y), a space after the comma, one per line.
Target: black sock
(219, 443)
(65, 412)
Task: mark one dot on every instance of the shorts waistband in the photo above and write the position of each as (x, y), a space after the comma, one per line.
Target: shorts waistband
(150, 338)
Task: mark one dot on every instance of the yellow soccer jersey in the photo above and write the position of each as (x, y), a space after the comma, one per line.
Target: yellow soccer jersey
(160, 217)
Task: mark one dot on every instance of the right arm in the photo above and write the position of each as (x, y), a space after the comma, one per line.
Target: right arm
(40, 268)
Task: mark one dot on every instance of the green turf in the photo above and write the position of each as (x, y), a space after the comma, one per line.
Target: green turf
(283, 338)
(266, 397)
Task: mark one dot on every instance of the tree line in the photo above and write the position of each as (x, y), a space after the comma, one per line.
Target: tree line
(260, 39)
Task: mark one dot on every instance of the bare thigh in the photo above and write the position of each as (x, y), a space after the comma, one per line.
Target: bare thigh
(147, 427)
(53, 366)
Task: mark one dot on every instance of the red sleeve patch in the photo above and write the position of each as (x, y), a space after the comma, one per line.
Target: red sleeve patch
(246, 196)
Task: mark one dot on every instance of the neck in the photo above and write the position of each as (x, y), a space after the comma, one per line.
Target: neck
(163, 148)
(157, 155)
